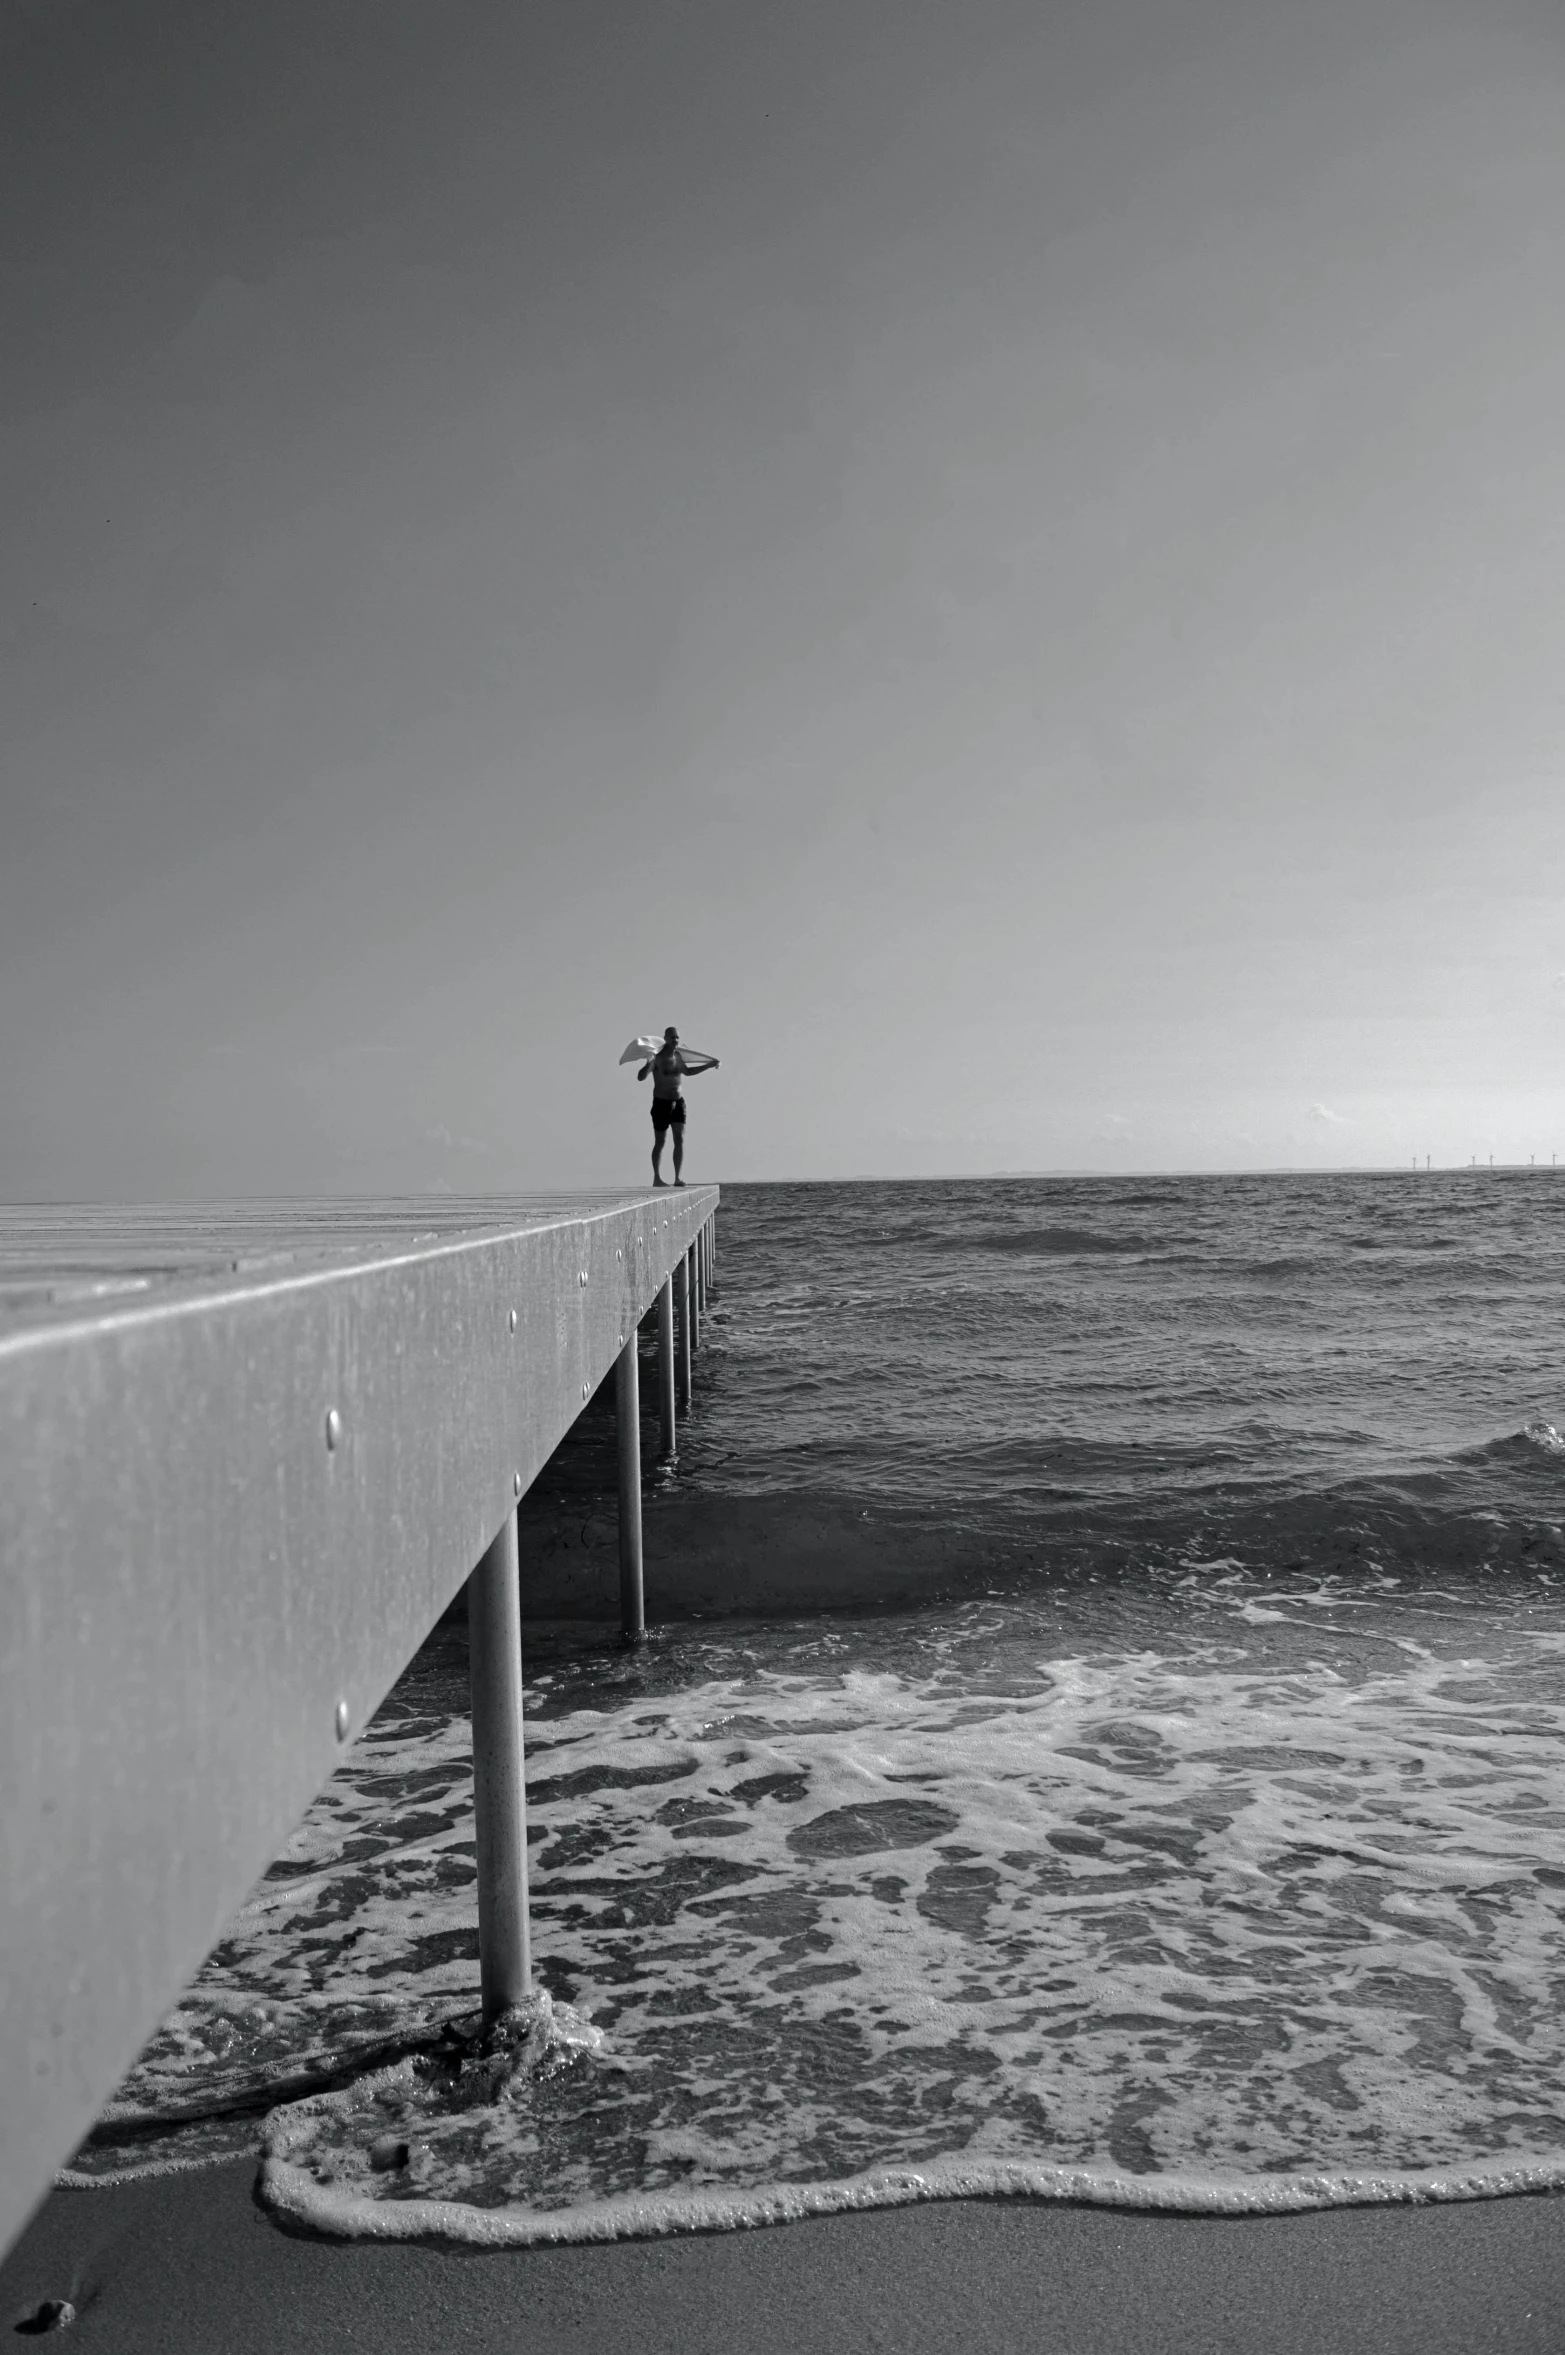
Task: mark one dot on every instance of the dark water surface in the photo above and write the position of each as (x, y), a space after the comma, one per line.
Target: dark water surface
(1101, 1370)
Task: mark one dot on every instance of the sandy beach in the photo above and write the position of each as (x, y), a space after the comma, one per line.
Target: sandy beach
(193, 2265)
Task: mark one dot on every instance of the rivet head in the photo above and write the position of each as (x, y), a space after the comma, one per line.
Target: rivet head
(586, 1389)
(516, 1483)
(513, 1320)
(333, 1427)
(584, 1276)
(342, 1721)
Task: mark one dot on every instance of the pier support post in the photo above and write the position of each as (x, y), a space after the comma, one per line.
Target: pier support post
(494, 1641)
(682, 1296)
(627, 1408)
(666, 1410)
(693, 1295)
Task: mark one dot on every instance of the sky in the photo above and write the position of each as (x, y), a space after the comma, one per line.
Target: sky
(998, 564)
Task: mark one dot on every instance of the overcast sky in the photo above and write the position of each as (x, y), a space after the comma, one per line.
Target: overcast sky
(1001, 564)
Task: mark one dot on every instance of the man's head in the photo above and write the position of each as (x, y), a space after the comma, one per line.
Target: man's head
(671, 1036)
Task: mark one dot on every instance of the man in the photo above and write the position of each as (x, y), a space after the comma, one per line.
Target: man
(668, 1067)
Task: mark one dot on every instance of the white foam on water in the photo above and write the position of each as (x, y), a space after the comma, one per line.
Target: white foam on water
(296, 2188)
(1241, 1928)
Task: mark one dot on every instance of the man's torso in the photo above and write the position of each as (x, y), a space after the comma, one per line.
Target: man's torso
(668, 1069)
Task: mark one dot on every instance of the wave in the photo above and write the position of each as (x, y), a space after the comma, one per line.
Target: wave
(839, 1528)
(349, 2211)
(1019, 1241)
(1536, 1445)
(1045, 1242)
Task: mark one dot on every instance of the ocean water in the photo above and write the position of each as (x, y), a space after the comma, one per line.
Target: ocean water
(1195, 1838)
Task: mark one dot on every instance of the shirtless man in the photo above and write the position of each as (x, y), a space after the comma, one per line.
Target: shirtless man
(668, 1067)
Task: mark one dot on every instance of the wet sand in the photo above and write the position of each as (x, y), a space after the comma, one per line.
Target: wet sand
(193, 2265)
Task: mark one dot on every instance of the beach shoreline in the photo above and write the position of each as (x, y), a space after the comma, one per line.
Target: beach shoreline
(193, 2264)
(198, 2260)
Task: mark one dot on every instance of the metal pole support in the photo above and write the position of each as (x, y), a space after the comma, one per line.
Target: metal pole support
(693, 1295)
(627, 1408)
(682, 1296)
(666, 1410)
(494, 1642)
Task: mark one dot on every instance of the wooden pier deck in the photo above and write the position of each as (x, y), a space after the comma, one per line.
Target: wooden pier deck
(248, 1455)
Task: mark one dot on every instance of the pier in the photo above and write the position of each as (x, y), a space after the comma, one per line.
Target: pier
(248, 1457)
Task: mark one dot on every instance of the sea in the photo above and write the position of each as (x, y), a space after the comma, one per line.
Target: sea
(1191, 1834)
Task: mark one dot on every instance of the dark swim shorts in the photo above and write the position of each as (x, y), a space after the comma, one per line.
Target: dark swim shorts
(668, 1112)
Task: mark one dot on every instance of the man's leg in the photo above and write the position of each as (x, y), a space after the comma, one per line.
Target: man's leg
(679, 1151)
(657, 1156)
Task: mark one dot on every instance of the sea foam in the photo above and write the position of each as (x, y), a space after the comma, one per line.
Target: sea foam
(1270, 1920)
